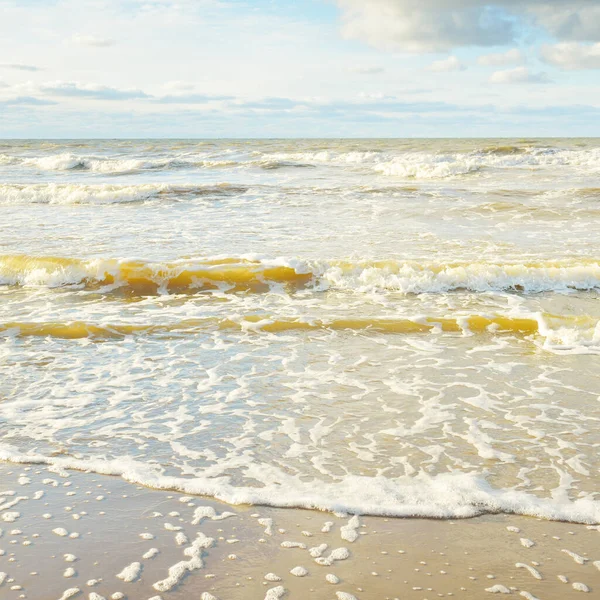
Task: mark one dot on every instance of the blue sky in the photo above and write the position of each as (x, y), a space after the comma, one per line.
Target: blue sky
(314, 68)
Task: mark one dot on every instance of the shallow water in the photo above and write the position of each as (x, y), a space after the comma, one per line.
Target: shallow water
(399, 327)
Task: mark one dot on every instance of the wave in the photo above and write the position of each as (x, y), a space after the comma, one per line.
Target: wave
(579, 334)
(503, 150)
(514, 210)
(250, 273)
(406, 164)
(433, 168)
(100, 164)
(111, 165)
(444, 496)
(146, 278)
(53, 193)
(428, 166)
(589, 193)
(120, 165)
(438, 165)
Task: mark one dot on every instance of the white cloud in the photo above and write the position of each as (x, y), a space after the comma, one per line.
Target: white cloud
(572, 56)
(511, 57)
(373, 96)
(179, 86)
(436, 25)
(518, 75)
(19, 67)
(367, 70)
(447, 64)
(91, 40)
(89, 90)
(26, 101)
(191, 99)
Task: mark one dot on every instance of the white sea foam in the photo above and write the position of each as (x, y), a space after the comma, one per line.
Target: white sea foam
(415, 278)
(178, 571)
(498, 589)
(429, 167)
(130, 573)
(533, 572)
(447, 495)
(275, 593)
(349, 532)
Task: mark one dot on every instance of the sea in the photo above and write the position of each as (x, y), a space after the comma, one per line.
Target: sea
(395, 327)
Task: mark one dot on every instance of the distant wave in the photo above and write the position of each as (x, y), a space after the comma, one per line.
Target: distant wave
(427, 165)
(109, 164)
(407, 164)
(501, 150)
(115, 165)
(517, 210)
(52, 193)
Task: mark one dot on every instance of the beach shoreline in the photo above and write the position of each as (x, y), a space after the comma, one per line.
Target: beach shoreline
(103, 522)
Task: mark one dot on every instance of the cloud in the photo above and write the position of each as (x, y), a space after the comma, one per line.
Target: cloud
(270, 104)
(438, 25)
(573, 21)
(572, 56)
(191, 99)
(89, 90)
(26, 100)
(447, 64)
(366, 70)
(19, 67)
(424, 26)
(91, 40)
(511, 57)
(179, 86)
(519, 75)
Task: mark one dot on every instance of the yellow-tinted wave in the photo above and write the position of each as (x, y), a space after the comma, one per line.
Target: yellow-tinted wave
(260, 323)
(138, 277)
(146, 278)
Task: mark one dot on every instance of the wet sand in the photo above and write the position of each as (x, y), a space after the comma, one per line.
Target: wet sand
(86, 529)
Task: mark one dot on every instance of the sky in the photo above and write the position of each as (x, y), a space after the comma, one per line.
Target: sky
(299, 68)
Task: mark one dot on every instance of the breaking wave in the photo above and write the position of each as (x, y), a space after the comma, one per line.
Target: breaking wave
(407, 164)
(442, 496)
(261, 274)
(53, 193)
(427, 165)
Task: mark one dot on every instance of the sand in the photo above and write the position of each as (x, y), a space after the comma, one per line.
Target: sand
(91, 536)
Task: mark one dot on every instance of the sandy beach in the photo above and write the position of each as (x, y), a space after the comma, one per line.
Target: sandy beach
(80, 535)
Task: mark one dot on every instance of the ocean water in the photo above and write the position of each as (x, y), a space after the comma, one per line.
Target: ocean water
(398, 327)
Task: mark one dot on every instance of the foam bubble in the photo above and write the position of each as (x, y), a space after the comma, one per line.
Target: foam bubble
(130, 573)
